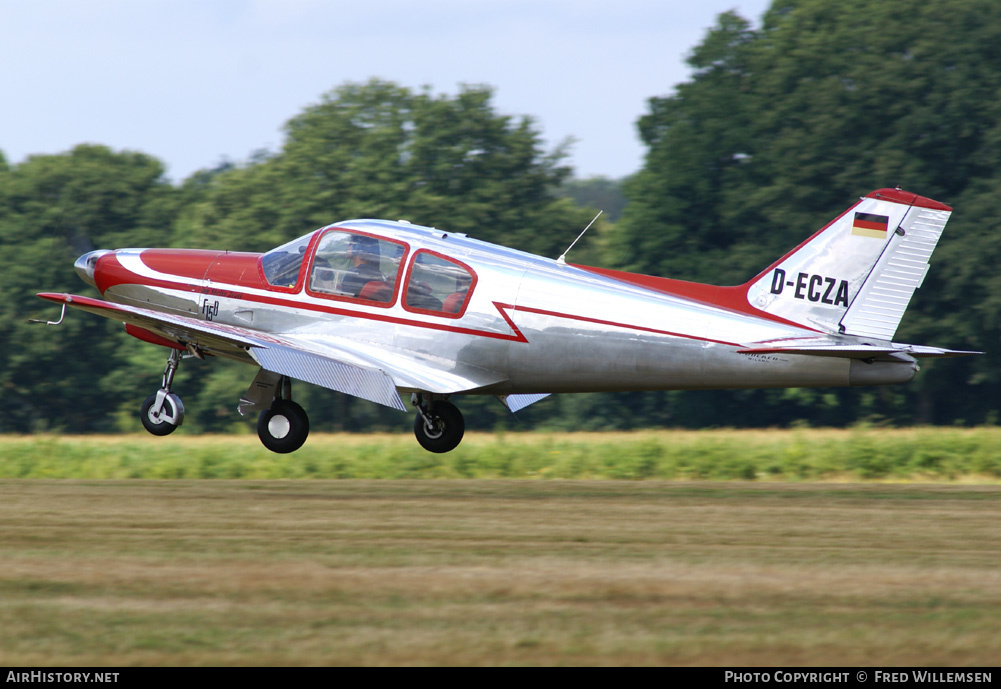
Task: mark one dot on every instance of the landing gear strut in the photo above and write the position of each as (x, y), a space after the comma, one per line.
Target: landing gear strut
(163, 411)
(438, 425)
(283, 428)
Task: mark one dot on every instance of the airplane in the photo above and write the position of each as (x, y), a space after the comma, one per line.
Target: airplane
(383, 310)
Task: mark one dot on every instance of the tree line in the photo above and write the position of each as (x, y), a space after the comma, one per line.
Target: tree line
(779, 128)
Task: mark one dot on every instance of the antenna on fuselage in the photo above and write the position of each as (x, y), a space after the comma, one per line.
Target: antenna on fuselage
(563, 257)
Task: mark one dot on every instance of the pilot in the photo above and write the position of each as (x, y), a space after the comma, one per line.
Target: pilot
(363, 252)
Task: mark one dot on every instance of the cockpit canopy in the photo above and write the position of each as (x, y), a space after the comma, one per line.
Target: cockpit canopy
(352, 265)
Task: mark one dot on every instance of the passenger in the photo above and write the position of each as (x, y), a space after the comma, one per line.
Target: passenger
(454, 301)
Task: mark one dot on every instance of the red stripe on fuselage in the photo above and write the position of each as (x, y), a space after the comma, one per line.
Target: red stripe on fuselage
(599, 321)
(109, 272)
(186, 263)
(729, 298)
(234, 268)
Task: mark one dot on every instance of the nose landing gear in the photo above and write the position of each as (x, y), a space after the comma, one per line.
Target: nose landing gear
(163, 411)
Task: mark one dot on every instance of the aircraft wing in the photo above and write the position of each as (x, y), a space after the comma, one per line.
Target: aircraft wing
(204, 335)
(849, 350)
(302, 356)
(367, 370)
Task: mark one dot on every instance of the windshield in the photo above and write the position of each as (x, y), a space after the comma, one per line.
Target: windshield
(282, 265)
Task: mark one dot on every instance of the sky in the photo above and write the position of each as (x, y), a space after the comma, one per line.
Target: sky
(196, 83)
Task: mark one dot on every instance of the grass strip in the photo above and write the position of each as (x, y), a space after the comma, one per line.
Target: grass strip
(862, 454)
(497, 572)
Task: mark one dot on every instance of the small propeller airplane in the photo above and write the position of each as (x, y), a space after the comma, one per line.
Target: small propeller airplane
(381, 309)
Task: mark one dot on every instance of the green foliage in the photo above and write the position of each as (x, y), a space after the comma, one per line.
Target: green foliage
(53, 208)
(598, 193)
(380, 150)
(782, 127)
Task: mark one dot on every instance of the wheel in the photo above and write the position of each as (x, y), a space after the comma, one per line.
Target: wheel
(283, 428)
(170, 417)
(446, 428)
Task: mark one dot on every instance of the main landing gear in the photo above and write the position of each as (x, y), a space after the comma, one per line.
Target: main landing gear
(283, 428)
(163, 412)
(438, 425)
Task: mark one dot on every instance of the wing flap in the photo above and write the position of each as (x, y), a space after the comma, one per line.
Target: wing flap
(517, 402)
(368, 383)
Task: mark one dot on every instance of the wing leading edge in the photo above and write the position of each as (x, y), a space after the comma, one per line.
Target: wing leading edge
(367, 371)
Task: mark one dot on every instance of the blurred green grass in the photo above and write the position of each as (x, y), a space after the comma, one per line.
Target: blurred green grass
(867, 454)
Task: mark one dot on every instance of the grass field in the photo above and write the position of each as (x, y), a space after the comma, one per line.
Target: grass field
(860, 454)
(487, 572)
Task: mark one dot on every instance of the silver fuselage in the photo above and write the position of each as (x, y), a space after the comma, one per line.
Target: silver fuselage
(531, 325)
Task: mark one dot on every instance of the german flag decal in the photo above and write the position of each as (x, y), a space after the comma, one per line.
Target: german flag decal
(870, 225)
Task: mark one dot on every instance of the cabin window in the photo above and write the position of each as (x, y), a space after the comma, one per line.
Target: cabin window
(355, 265)
(438, 285)
(281, 266)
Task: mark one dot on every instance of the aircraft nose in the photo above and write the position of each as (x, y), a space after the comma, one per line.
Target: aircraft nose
(86, 264)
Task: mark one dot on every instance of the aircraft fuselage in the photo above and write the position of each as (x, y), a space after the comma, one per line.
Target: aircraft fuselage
(531, 324)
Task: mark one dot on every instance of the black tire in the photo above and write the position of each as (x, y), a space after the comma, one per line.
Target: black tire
(448, 427)
(284, 427)
(172, 407)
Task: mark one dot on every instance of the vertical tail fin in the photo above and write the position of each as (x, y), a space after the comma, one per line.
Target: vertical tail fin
(856, 275)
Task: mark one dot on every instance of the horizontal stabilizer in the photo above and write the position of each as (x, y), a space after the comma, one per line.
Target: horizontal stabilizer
(852, 350)
(921, 351)
(845, 351)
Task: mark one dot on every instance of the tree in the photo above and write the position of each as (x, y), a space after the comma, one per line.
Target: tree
(52, 209)
(781, 127)
(598, 193)
(380, 150)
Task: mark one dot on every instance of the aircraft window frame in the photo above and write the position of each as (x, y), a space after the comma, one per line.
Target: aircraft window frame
(441, 313)
(300, 277)
(396, 284)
